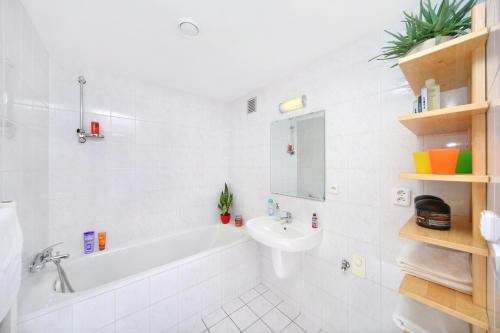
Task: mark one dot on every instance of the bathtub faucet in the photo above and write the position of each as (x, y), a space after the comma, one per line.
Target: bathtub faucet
(45, 256)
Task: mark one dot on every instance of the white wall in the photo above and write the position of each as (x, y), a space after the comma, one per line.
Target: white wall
(366, 149)
(493, 86)
(24, 114)
(159, 169)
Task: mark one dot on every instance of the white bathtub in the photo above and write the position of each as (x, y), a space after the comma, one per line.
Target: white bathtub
(203, 266)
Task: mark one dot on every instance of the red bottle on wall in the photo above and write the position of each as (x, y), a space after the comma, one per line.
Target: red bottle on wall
(94, 127)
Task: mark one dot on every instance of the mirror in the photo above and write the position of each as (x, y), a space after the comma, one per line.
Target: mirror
(298, 156)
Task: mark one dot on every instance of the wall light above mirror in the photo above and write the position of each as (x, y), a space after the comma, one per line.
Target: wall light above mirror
(293, 104)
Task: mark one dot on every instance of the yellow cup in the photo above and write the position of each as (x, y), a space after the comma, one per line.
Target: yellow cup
(422, 162)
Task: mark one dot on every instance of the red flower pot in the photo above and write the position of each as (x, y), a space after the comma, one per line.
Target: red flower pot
(225, 218)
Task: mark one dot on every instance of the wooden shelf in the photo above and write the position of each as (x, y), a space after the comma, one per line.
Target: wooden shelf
(449, 63)
(459, 237)
(448, 120)
(464, 178)
(444, 299)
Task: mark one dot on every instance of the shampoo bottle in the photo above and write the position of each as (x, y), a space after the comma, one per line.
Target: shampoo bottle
(433, 95)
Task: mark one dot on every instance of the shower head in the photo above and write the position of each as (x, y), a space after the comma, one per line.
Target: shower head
(81, 80)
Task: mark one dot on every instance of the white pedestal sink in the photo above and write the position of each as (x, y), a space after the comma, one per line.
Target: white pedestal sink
(285, 240)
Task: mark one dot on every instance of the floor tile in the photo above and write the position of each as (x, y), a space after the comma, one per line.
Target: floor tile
(261, 288)
(307, 324)
(244, 318)
(276, 320)
(214, 317)
(290, 310)
(249, 295)
(225, 326)
(260, 306)
(232, 305)
(192, 325)
(258, 327)
(272, 297)
(293, 328)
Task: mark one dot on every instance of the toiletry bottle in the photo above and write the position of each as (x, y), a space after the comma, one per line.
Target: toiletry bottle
(94, 127)
(88, 242)
(270, 207)
(238, 221)
(314, 221)
(102, 240)
(434, 94)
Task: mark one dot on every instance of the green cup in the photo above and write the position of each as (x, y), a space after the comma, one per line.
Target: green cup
(464, 164)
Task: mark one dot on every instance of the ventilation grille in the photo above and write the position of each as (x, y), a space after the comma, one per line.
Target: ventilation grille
(252, 105)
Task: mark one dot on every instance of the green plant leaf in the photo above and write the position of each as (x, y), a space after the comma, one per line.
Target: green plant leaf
(450, 18)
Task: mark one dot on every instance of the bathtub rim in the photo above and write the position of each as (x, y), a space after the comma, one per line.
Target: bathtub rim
(64, 300)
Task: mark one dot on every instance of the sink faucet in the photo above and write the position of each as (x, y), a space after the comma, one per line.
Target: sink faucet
(43, 257)
(285, 217)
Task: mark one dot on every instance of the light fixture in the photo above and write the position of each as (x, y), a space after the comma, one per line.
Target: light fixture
(189, 27)
(293, 104)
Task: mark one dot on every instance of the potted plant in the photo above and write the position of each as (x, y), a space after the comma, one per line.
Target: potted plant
(430, 27)
(225, 202)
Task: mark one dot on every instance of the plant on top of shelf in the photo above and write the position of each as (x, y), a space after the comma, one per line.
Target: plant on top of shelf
(449, 20)
(225, 202)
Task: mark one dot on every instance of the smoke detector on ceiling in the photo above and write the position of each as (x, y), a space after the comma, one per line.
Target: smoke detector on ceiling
(189, 27)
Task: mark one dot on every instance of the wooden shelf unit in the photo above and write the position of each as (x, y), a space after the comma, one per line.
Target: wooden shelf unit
(448, 120)
(460, 62)
(459, 237)
(449, 62)
(463, 178)
(449, 301)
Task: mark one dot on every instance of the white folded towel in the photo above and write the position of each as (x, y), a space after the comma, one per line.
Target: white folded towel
(414, 317)
(11, 244)
(439, 265)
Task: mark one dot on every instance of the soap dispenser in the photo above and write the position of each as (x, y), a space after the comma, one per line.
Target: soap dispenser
(270, 207)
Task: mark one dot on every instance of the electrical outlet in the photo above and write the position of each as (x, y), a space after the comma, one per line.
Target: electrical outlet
(334, 189)
(401, 197)
(358, 265)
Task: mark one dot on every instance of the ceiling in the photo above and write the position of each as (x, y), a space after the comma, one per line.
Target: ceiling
(242, 45)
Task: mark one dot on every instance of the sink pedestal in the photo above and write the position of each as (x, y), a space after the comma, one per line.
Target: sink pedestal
(285, 263)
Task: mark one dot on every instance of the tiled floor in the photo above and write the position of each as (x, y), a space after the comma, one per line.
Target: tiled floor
(258, 310)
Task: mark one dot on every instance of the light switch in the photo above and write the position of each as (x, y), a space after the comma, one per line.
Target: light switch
(358, 265)
(334, 189)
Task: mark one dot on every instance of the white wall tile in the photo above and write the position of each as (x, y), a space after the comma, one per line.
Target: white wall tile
(132, 298)
(60, 321)
(94, 313)
(137, 322)
(164, 314)
(164, 285)
(24, 124)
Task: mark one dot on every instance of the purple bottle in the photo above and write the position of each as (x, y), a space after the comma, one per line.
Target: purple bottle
(88, 242)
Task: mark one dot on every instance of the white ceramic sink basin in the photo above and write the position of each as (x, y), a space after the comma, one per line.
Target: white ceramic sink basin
(289, 237)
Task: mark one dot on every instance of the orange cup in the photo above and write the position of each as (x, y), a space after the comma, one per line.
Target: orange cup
(444, 161)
